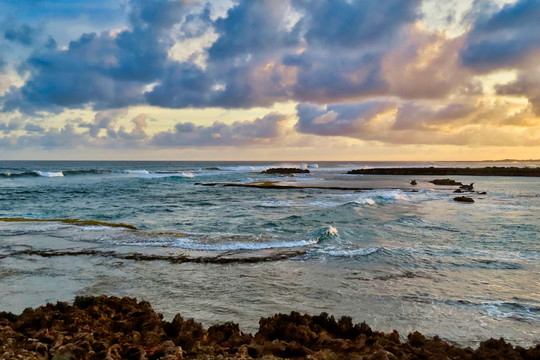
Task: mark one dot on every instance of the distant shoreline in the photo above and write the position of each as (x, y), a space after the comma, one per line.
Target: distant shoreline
(435, 171)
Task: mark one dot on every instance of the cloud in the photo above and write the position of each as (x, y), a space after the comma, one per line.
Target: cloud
(469, 122)
(7, 127)
(34, 128)
(362, 69)
(425, 65)
(338, 120)
(505, 38)
(103, 120)
(106, 70)
(417, 116)
(22, 34)
(527, 84)
(107, 131)
(341, 23)
(240, 133)
(66, 137)
(264, 52)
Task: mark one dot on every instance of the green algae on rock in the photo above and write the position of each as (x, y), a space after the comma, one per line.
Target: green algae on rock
(72, 222)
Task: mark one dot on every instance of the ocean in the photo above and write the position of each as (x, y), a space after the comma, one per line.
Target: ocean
(394, 258)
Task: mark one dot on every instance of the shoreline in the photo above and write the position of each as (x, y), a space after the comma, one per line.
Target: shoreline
(118, 328)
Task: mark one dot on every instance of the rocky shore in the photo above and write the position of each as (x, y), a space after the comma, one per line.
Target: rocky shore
(485, 171)
(113, 328)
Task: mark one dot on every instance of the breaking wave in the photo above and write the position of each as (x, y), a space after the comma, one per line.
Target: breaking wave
(159, 174)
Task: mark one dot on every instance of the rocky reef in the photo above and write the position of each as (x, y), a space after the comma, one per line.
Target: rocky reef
(285, 171)
(123, 328)
(436, 171)
(465, 199)
(443, 182)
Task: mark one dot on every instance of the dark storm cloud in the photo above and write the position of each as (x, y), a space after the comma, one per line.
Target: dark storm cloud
(504, 38)
(259, 131)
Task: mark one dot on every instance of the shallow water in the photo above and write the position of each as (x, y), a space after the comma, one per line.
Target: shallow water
(389, 256)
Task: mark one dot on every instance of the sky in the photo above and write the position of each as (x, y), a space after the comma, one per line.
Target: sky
(270, 80)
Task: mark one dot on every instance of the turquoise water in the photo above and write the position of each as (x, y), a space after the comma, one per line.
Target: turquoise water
(389, 256)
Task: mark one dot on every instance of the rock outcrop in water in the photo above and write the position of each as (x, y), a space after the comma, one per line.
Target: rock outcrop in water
(445, 182)
(436, 171)
(285, 171)
(465, 199)
(113, 328)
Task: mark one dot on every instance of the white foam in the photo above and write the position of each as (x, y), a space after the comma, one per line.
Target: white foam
(275, 203)
(313, 166)
(157, 175)
(176, 174)
(381, 196)
(331, 231)
(352, 253)
(50, 173)
(138, 172)
(243, 168)
(366, 201)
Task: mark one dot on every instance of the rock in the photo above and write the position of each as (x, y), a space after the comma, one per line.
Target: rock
(458, 191)
(481, 193)
(414, 182)
(112, 328)
(285, 171)
(449, 182)
(467, 187)
(465, 199)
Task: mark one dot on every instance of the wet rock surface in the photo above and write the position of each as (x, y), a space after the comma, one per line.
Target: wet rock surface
(465, 199)
(122, 328)
(445, 182)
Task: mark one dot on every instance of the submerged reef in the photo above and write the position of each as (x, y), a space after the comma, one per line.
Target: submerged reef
(280, 186)
(72, 222)
(485, 171)
(123, 328)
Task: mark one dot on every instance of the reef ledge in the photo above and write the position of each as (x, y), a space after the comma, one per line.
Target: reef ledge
(122, 328)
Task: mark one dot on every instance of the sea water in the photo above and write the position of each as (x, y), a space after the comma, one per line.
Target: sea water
(394, 258)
